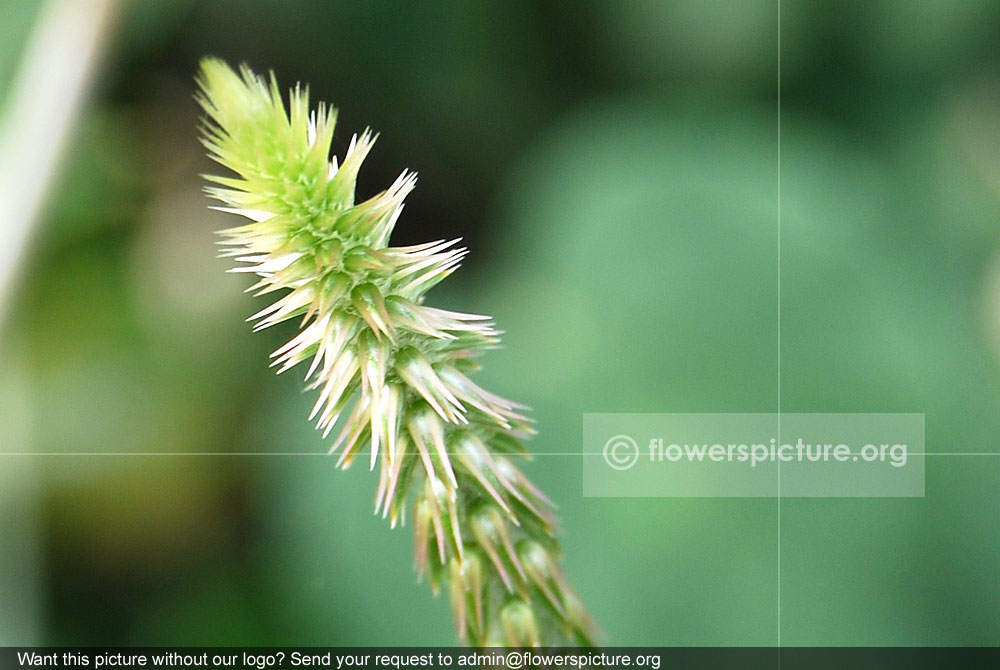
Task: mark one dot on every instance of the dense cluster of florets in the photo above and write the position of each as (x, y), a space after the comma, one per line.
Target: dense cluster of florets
(392, 374)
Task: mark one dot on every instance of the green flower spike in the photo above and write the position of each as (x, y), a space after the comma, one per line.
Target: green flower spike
(391, 372)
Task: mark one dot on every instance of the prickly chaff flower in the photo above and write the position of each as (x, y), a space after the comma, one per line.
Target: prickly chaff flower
(392, 374)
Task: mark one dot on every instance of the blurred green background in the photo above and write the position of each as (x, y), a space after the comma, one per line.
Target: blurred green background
(613, 167)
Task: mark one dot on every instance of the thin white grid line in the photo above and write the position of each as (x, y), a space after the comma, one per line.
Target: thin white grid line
(529, 455)
(779, 329)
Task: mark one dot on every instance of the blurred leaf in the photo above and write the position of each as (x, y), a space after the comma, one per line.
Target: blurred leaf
(639, 267)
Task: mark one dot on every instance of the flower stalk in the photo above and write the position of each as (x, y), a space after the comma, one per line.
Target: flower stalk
(392, 374)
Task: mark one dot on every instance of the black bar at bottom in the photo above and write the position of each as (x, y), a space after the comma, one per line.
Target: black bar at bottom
(400, 658)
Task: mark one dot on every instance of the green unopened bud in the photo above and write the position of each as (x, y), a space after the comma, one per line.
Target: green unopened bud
(519, 624)
(543, 572)
(466, 587)
(490, 530)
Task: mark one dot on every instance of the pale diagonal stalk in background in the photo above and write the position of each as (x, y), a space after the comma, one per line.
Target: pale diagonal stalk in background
(43, 104)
